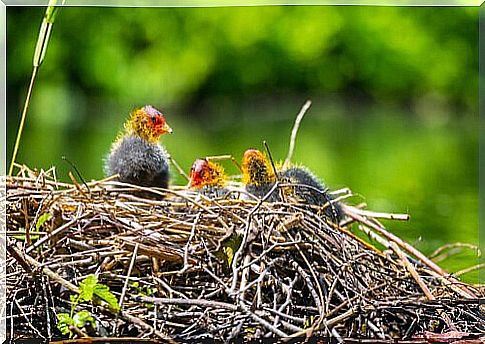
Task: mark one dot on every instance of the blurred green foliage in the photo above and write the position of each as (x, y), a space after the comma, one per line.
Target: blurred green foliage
(394, 90)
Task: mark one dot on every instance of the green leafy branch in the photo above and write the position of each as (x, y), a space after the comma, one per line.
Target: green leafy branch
(89, 291)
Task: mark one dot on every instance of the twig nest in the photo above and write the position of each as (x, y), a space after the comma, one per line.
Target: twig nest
(190, 267)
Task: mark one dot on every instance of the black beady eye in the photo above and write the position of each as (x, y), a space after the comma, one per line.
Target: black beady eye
(154, 120)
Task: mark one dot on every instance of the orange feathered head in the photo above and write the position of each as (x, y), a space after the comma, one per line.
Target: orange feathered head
(147, 123)
(204, 172)
(257, 168)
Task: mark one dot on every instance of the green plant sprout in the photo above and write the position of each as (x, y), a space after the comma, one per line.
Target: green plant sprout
(89, 291)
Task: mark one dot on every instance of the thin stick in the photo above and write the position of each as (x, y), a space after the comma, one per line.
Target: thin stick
(455, 245)
(22, 119)
(412, 271)
(325, 323)
(389, 216)
(294, 132)
(190, 302)
(77, 172)
(226, 157)
(179, 169)
(187, 245)
(282, 195)
(76, 184)
(18, 256)
(130, 268)
(266, 146)
(53, 233)
(470, 269)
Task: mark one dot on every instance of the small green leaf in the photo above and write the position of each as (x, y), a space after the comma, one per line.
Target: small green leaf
(40, 222)
(20, 236)
(87, 288)
(102, 291)
(82, 317)
(64, 321)
(145, 291)
(229, 247)
(229, 254)
(308, 322)
(250, 330)
(42, 219)
(73, 298)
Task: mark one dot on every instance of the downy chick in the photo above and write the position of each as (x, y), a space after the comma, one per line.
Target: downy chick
(136, 155)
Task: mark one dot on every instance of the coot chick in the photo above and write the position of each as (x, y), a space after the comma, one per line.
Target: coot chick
(259, 178)
(208, 178)
(136, 155)
(258, 175)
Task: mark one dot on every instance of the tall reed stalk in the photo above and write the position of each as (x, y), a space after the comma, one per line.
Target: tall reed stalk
(39, 54)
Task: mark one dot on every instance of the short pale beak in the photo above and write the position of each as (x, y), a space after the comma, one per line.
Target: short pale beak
(166, 128)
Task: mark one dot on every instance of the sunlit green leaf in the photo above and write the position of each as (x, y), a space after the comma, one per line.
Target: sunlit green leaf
(42, 219)
(87, 288)
(63, 323)
(80, 318)
(102, 291)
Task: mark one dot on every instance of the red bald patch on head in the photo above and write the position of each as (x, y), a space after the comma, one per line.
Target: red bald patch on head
(198, 172)
(251, 154)
(251, 151)
(156, 121)
(206, 173)
(151, 111)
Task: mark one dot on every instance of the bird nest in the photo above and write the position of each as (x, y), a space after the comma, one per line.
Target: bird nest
(184, 267)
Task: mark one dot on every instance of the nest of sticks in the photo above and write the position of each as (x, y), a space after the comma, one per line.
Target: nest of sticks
(184, 267)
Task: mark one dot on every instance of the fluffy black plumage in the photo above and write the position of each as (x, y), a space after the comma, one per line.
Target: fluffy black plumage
(214, 192)
(262, 190)
(310, 190)
(139, 162)
(258, 175)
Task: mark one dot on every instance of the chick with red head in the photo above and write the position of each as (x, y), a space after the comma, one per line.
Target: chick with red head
(136, 156)
(208, 178)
